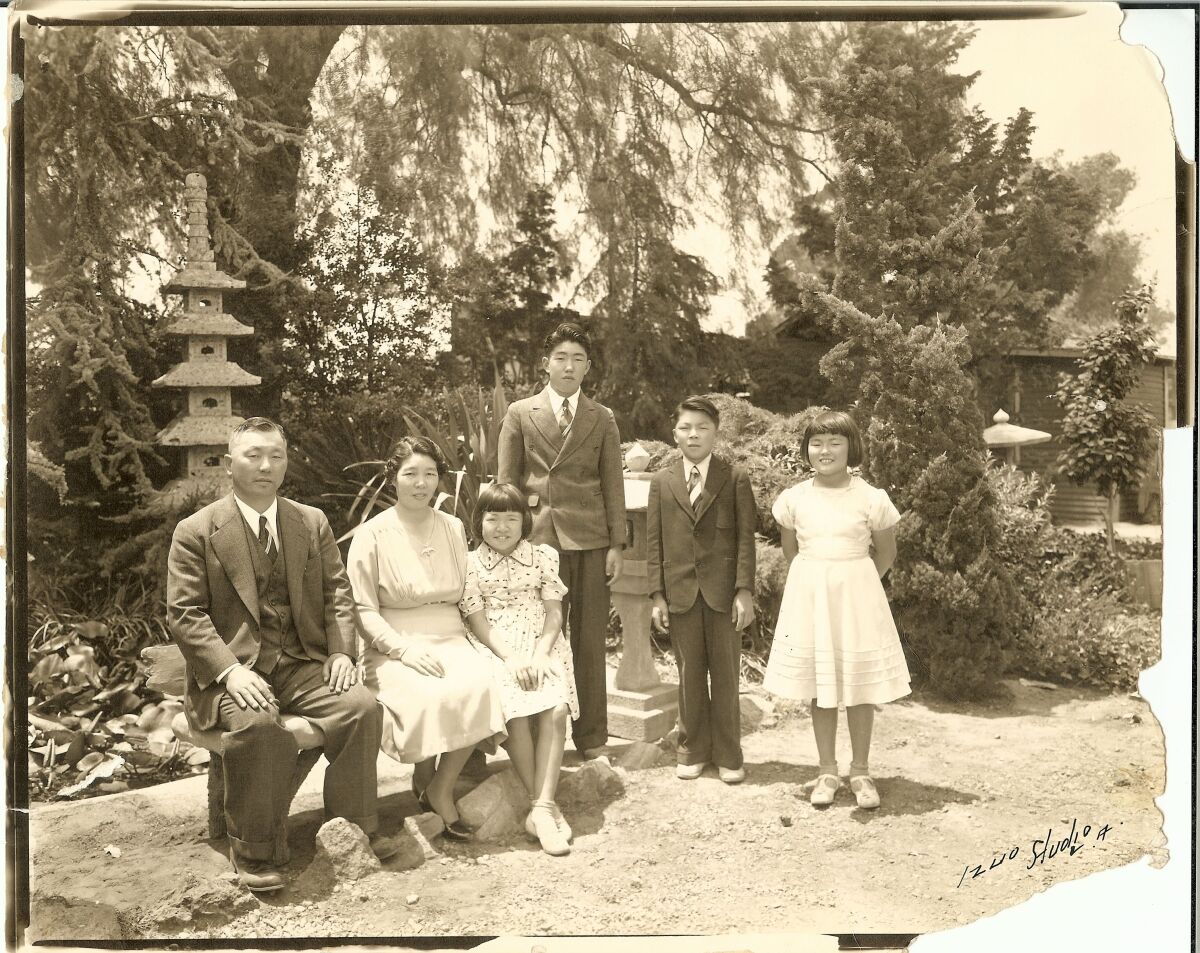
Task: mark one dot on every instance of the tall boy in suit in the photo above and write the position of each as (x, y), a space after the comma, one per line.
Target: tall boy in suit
(564, 450)
(260, 606)
(700, 521)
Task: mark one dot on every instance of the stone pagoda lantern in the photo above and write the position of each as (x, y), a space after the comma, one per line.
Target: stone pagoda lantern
(206, 374)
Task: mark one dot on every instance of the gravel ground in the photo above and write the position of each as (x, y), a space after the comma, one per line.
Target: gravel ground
(962, 785)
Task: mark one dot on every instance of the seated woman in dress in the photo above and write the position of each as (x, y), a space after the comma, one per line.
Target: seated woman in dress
(408, 569)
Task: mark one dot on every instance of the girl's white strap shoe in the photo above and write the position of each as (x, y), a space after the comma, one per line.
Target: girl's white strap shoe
(563, 827)
(824, 790)
(865, 792)
(540, 824)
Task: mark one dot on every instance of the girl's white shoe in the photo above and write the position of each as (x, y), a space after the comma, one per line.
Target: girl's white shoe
(865, 792)
(824, 790)
(563, 827)
(541, 825)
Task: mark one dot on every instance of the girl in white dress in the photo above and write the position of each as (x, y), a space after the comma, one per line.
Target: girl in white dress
(835, 641)
(517, 587)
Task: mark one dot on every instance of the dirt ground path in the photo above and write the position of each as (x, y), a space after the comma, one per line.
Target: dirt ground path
(961, 785)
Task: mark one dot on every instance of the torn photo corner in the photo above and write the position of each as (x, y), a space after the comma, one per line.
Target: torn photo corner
(363, 219)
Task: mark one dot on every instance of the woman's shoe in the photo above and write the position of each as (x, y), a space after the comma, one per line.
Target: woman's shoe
(865, 792)
(824, 790)
(546, 830)
(457, 829)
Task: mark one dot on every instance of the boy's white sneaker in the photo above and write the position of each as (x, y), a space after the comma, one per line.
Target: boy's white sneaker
(689, 772)
(732, 775)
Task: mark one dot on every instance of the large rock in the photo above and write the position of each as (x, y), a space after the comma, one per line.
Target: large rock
(63, 918)
(592, 781)
(497, 808)
(754, 708)
(641, 755)
(346, 849)
(411, 853)
(423, 828)
(198, 901)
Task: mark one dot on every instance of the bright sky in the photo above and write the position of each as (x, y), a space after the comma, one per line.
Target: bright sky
(1089, 92)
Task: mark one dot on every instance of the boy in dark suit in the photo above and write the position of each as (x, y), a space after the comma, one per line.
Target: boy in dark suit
(700, 521)
(259, 604)
(563, 449)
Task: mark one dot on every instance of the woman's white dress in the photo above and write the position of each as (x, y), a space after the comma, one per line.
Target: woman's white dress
(407, 593)
(835, 639)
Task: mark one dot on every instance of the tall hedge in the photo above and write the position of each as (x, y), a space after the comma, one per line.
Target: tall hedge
(954, 600)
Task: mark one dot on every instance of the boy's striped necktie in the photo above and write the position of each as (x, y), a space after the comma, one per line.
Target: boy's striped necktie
(565, 419)
(694, 485)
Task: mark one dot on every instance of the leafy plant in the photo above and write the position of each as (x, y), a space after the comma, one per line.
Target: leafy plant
(469, 442)
(94, 726)
(1106, 439)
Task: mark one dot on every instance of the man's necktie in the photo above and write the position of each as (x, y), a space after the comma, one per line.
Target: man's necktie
(694, 486)
(565, 418)
(264, 538)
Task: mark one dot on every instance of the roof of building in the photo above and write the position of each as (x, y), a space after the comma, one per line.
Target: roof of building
(213, 323)
(1069, 354)
(198, 430)
(202, 275)
(207, 374)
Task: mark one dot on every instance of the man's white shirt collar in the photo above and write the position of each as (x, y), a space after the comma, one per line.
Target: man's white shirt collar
(251, 515)
(556, 402)
(703, 465)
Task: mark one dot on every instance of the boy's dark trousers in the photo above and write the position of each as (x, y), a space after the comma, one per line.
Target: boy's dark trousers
(585, 620)
(707, 646)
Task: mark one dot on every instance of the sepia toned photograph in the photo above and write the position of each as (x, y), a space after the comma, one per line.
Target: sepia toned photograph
(509, 472)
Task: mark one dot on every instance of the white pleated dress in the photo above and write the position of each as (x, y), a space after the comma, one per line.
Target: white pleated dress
(835, 639)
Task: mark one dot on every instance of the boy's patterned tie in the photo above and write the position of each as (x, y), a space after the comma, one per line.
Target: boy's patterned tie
(265, 539)
(693, 485)
(565, 418)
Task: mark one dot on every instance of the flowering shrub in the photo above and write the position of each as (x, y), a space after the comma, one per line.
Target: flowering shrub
(1089, 640)
(1078, 623)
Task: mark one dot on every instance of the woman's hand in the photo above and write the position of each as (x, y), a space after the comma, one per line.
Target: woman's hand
(421, 661)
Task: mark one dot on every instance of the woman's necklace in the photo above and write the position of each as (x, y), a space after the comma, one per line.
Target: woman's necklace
(427, 548)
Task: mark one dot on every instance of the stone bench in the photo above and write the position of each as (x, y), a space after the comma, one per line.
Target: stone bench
(165, 673)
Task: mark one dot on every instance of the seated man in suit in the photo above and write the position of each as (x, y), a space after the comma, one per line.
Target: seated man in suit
(260, 606)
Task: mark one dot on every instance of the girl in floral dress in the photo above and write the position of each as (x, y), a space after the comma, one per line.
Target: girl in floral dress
(516, 585)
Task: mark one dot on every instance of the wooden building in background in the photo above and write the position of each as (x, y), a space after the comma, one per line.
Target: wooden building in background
(1028, 397)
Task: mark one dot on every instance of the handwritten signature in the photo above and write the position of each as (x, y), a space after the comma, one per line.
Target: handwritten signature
(1042, 850)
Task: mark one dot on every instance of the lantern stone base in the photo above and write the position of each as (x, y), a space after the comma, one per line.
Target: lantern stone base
(642, 715)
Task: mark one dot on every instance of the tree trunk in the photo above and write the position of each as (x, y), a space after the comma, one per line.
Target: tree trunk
(1110, 516)
(263, 205)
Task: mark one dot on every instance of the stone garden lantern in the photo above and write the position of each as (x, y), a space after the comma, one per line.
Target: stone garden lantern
(641, 707)
(1010, 437)
(206, 374)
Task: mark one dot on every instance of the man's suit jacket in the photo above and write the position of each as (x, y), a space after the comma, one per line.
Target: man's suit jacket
(578, 483)
(212, 596)
(709, 551)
